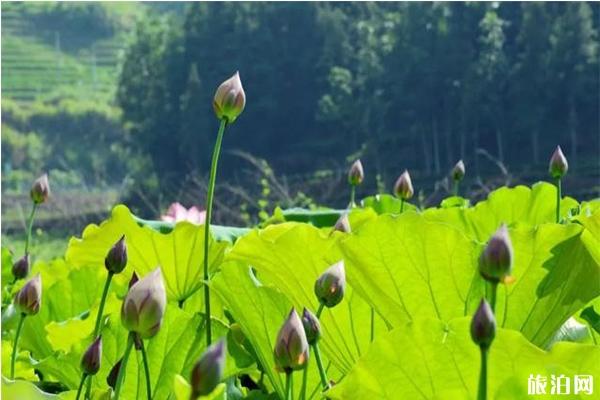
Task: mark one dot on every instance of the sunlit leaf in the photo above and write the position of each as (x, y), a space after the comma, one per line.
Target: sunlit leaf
(429, 359)
(179, 253)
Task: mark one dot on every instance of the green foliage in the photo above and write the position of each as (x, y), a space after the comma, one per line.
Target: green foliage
(178, 253)
(417, 271)
(432, 359)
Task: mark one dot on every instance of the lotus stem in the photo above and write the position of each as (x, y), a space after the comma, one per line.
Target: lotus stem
(83, 377)
(558, 196)
(123, 366)
(482, 391)
(16, 345)
(209, 204)
(146, 369)
(29, 228)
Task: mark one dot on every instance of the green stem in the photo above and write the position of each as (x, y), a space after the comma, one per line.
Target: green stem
(83, 377)
(493, 296)
(482, 392)
(209, 204)
(16, 345)
(322, 374)
(304, 381)
(372, 324)
(29, 228)
(123, 366)
(147, 369)
(352, 196)
(288, 385)
(558, 196)
(102, 302)
(320, 310)
(401, 205)
(455, 189)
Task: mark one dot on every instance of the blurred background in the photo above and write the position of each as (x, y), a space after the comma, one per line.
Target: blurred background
(114, 101)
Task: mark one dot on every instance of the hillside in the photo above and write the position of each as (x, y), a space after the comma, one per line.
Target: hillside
(54, 48)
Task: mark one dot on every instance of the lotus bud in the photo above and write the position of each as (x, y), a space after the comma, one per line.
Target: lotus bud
(403, 187)
(558, 164)
(29, 299)
(495, 262)
(458, 172)
(356, 174)
(40, 190)
(230, 99)
(90, 362)
(483, 325)
(111, 379)
(133, 280)
(291, 347)
(331, 285)
(20, 268)
(312, 327)
(144, 306)
(208, 371)
(343, 224)
(116, 259)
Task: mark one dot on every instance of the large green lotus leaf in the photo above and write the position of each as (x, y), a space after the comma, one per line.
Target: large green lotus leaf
(260, 311)
(386, 204)
(23, 369)
(408, 266)
(430, 359)
(291, 257)
(172, 351)
(179, 253)
(24, 390)
(73, 294)
(555, 276)
(531, 206)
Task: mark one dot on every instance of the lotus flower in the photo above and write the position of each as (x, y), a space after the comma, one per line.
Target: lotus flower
(356, 173)
(291, 347)
(40, 190)
(230, 99)
(558, 164)
(343, 224)
(28, 300)
(483, 325)
(90, 362)
(495, 262)
(176, 213)
(458, 171)
(312, 326)
(403, 187)
(330, 286)
(20, 268)
(144, 306)
(116, 259)
(208, 371)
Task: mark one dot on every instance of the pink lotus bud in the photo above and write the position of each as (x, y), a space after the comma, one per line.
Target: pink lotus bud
(208, 371)
(343, 224)
(230, 99)
(458, 172)
(483, 325)
(495, 262)
(20, 268)
(356, 173)
(331, 285)
(40, 190)
(90, 362)
(116, 259)
(312, 326)
(558, 164)
(291, 346)
(403, 187)
(28, 300)
(133, 280)
(144, 306)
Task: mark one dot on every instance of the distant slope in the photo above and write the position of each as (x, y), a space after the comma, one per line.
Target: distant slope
(51, 48)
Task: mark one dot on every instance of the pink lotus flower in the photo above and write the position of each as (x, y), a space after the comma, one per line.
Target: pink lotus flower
(177, 213)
